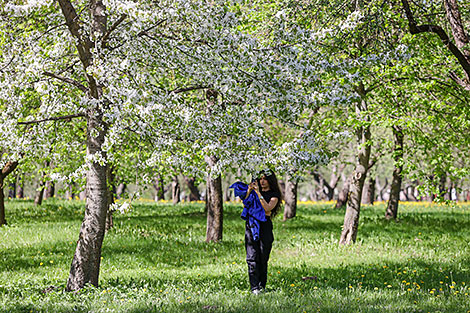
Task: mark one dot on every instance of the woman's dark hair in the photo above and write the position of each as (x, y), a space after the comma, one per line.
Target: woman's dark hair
(273, 186)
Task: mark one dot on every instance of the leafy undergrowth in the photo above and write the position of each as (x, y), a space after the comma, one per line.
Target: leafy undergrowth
(155, 260)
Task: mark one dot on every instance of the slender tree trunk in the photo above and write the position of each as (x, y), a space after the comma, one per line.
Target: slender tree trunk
(86, 261)
(175, 190)
(6, 170)
(160, 188)
(40, 192)
(368, 195)
(344, 193)
(20, 189)
(50, 190)
(214, 205)
(290, 198)
(353, 207)
(442, 185)
(120, 190)
(194, 192)
(392, 206)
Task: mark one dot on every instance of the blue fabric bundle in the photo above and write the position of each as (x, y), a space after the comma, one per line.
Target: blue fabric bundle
(252, 210)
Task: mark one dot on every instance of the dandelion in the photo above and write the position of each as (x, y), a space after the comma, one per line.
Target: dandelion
(389, 286)
(376, 288)
(292, 285)
(40, 264)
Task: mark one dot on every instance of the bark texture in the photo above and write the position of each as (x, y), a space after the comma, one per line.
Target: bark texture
(368, 195)
(290, 198)
(86, 261)
(194, 194)
(160, 188)
(6, 170)
(175, 190)
(353, 207)
(214, 205)
(344, 193)
(392, 206)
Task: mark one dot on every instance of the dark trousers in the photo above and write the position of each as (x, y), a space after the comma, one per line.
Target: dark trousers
(257, 254)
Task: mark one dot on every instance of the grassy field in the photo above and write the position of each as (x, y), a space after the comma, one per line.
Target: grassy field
(155, 260)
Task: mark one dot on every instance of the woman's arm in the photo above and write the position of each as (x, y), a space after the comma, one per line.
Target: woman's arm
(268, 206)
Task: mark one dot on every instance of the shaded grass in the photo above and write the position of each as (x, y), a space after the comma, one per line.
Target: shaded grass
(155, 260)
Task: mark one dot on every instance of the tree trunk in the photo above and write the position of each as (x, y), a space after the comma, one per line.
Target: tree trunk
(290, 200)
(86, 261)
(175, 190)
(442, 185)
(343, 194)
(353, 207)
(120, 190)
(20, 189)
(392, 206)
(40, 192)
(50, 190)
(194, 192)
(6, 170)
(214, 205)
(368, 195)
(160, 188)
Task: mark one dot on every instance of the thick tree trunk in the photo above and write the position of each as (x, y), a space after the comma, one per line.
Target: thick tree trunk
(353, 207)
(194, 192)
(214, 205)
(344, 193)
(6, 170)
(290, 198)
(392, 206)
(175, 190)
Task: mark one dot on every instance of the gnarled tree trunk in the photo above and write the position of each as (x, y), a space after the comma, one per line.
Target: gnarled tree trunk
(392, 205)
(353, 207)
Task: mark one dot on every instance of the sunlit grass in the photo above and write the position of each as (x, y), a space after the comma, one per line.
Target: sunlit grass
(155, 260)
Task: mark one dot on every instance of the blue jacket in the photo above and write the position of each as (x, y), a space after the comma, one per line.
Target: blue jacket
(252, 210)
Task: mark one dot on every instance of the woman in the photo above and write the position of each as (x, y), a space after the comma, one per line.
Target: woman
(257, 251)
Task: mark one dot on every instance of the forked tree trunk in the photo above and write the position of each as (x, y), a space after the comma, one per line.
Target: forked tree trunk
(6, 170)
(175, 190)
(214, 205)
(392, 205)
(194, 194)
(290, 198)
(86, 261)
(353, 207)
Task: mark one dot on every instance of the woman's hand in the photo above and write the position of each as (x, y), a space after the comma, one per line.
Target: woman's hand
(253, 186)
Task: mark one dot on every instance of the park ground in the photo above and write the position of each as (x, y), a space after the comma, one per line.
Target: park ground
(155, 260)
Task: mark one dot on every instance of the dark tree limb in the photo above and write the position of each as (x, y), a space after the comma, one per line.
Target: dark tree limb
(54, 118)
(67, 80)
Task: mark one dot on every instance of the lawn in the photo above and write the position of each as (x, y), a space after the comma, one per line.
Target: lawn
(155, 260)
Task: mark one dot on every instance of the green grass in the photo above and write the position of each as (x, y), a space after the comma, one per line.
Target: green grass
(155, 260)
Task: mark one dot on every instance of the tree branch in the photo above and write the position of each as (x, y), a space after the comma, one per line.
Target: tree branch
(112, 28)
(416, 29)
(54, 118)
(67, 80)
